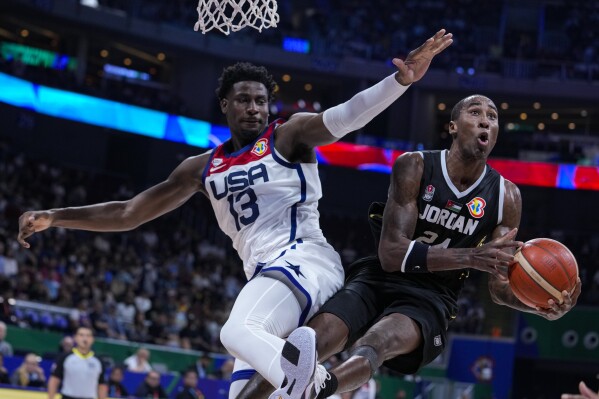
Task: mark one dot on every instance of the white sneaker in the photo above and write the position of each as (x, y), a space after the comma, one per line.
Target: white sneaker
(298, 360)
(321, 376)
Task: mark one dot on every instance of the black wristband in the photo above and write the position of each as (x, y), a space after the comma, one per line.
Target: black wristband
(415, 259)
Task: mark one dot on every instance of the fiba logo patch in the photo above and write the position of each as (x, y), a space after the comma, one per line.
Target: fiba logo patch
(437, 340)
(260, 147)
(429, 191)
(476, 207)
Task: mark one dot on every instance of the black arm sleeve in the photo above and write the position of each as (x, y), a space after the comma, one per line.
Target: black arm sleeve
(58, 367)
(101, 377)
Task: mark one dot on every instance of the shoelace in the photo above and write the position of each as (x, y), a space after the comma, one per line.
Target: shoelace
(321, 376)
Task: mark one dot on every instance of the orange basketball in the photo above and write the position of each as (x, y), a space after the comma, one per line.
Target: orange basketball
(543, 269)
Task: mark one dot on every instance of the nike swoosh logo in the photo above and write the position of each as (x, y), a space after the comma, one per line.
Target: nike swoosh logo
(215, 168)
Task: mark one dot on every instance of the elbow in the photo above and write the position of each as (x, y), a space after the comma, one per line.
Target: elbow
(128, 217)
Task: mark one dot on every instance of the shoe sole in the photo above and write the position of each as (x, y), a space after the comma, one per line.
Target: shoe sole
(298, 361)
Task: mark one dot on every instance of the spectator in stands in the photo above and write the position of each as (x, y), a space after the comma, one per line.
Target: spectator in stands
(65, 347)
(190, 390)
(226, 370)
(29, 374)
(195, 336)
(116, 389)
(4, 378)
(100, 321)
(5, 347)
(203, 366)
(150, 388)
(67, 343)
(139, 362)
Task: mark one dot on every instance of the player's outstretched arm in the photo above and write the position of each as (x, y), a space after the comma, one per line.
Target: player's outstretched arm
(182, 183)
(399, 252)
(311, 130)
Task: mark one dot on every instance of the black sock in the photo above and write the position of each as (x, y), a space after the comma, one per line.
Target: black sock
(330, 387)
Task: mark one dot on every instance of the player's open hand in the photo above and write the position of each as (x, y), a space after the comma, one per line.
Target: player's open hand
(32, 222)
(585, 393)
(413, 68)
(495, 256)
(554, 310)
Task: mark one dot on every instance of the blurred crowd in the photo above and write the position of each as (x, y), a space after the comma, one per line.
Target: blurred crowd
(561, 34)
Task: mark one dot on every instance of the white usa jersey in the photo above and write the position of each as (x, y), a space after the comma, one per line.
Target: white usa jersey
(262, 201)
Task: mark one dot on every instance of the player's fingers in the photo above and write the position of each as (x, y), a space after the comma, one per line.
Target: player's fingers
(21, 239)
(399, 64)
(499, 273)
(508, 244)
(439, 34)
(443, 42)
(553, 305)
(586, 390)
(503, 256)
(577, 290)
(501, 277)
(567, 298)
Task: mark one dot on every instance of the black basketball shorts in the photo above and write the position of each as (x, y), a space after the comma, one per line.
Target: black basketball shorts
(370, 294)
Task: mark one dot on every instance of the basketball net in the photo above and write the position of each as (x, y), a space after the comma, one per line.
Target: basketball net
(233, 15)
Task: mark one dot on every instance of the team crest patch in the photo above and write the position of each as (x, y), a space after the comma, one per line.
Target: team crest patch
(437, 340)
(429, 191)
(476, 207)
(217, 161)
(260, 147)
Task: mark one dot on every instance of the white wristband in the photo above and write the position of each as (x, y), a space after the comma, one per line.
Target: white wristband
(363, 107)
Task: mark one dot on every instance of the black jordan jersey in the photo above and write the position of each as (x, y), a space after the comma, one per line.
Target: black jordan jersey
(450, 218)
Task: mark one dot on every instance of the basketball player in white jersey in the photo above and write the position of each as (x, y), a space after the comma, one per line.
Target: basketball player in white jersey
(264, 187)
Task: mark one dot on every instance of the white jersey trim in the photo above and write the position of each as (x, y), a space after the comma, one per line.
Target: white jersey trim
(501, 200)
(452, 187)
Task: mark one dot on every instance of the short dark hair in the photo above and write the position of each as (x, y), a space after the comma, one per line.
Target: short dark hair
(455, 111)
(244, 71)
(457, 108)
(83, 328)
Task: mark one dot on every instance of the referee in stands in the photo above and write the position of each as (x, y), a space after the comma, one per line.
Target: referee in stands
(81, 373)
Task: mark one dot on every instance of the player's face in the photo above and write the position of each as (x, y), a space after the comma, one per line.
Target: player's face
(477, 127)
(246, 108)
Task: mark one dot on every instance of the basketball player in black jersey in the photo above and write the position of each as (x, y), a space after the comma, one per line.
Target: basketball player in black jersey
(447, 211)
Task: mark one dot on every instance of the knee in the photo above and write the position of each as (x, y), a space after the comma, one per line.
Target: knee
(230, 336)
(237, 335)
(331, 334)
